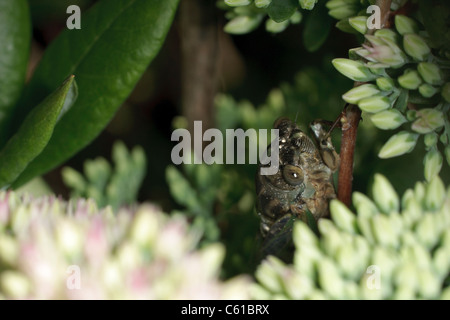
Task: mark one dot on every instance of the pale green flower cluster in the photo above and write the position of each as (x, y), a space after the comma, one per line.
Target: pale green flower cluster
(405, 85)
(391, 249)
(246, 15)
(52, 249)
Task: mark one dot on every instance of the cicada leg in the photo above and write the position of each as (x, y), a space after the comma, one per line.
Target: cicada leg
(322, 138)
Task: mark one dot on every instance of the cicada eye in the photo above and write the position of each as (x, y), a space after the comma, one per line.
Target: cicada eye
(293, 175)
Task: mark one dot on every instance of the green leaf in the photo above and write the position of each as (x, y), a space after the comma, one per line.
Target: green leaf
(32, 136)
(116, 43)
(317, 27)
(280, 10)
(402, 101)
(15, 32)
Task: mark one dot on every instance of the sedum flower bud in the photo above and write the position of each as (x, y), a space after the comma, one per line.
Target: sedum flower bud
(145, 227)
(400, 143)
(276, 27)
(426, 232)
(14, 284)
(360, 92)
(296, 17)
(415, 46)
(365, 226)
(262, 3)
(446, 91)
(354, 70)
(385, 83)
(374, 104)
(429, 72)
(427, 90)
(430, 139)
(359, 23)
(303, 235)
(410, 80)
(342, 216)
(363, 203)
(387, 35)
(267, 273)
(238, 3)
(388, 119)
(429, 285)
(9, 250)
(211, 257)
(405, 25)
(330, 279)
(432, 164)
(411, 115)
(384, 195)
(243, 24)
(435, 194)
(307, 4)
(441, 261)
(383, 231)
(343, 12)
(428, 120)
(384, 51)
(69, 238)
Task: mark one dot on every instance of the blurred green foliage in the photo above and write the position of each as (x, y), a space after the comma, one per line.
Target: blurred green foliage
(116, 185)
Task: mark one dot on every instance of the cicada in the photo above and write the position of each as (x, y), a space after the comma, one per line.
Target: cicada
(301, 188)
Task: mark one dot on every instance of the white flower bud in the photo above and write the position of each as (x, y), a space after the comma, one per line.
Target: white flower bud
(374, 104)
(342, 216)
(354, 70)
(359, 23)
(385, 84)
(262, 3)
(427, 90)
(243, 24)
(435, 194)
(415, 46)
(360, 92)
(432, 164)
(410, 80)
(405, 24)
(238, 3)
(429, 72)
(307, 4)
(388, 119)
(384, 195)
(428, 120)
(400, 143)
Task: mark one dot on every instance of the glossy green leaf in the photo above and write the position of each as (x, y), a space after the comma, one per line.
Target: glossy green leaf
(317, 27)
(117, 41)
(281, 10)
(15, 32)
(32, 136)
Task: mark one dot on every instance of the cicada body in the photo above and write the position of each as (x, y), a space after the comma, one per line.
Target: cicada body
(302, 186)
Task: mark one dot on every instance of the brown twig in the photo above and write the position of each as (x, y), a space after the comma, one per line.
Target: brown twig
(199, 43)
(350, 121)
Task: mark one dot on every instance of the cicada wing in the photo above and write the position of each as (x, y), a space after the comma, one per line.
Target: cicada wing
(278, 242)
